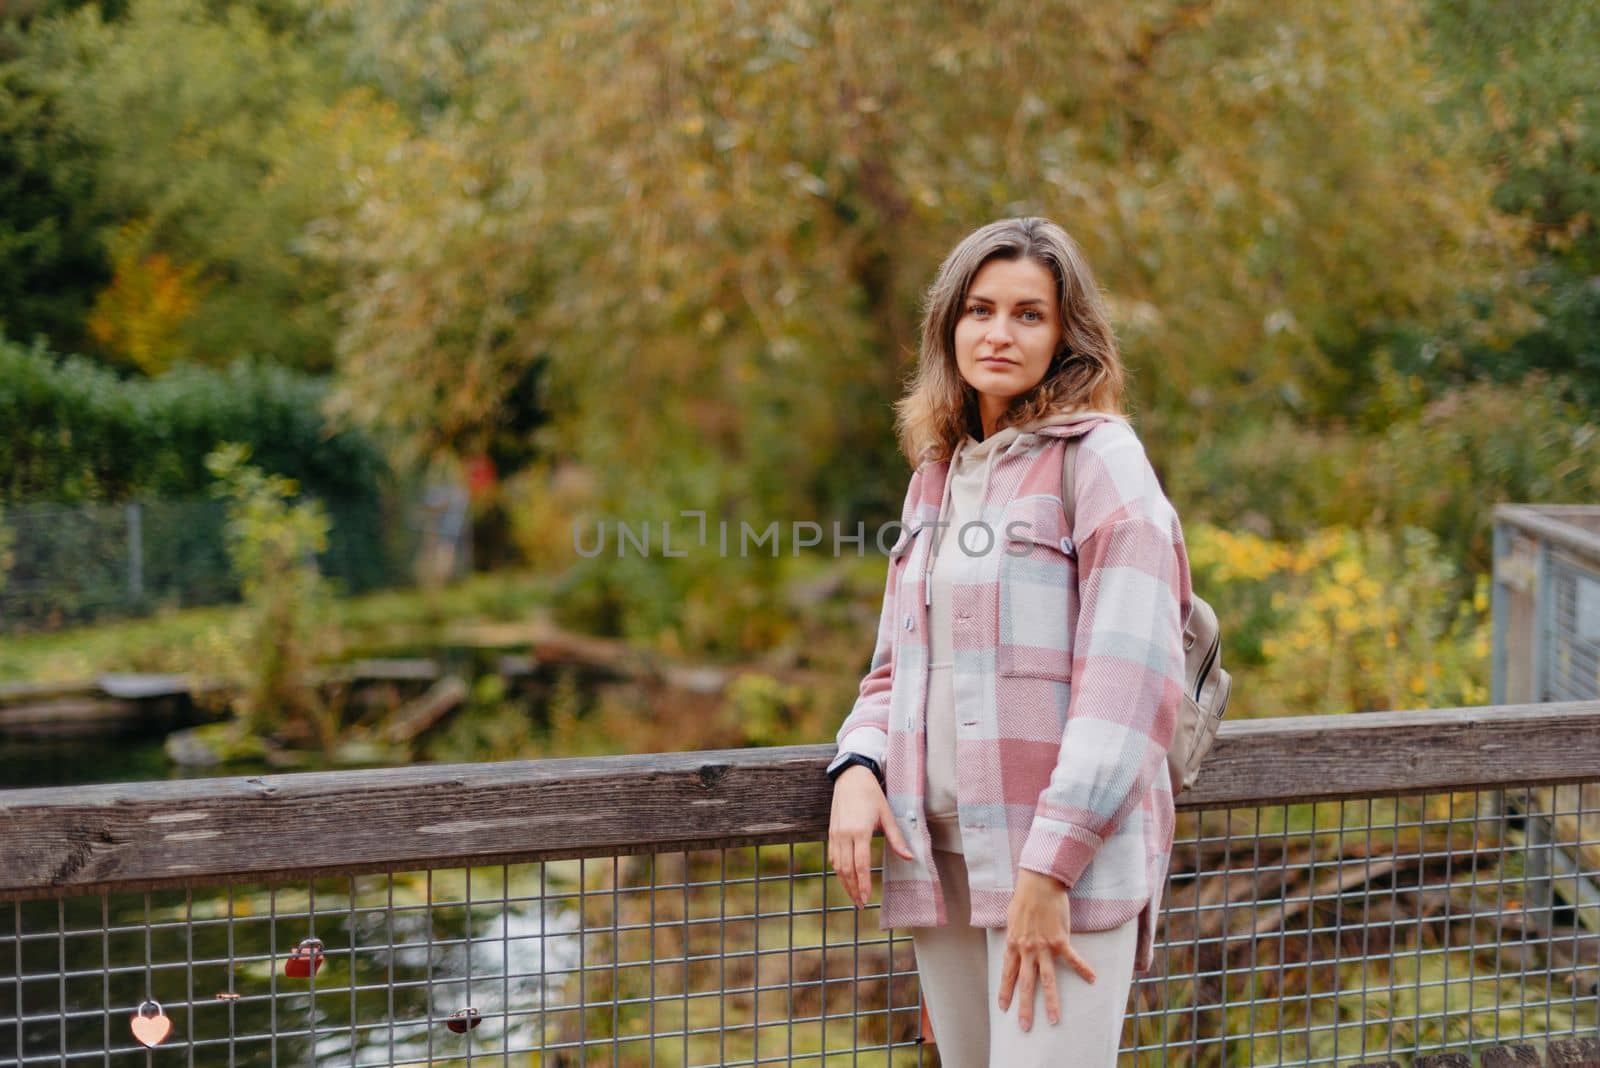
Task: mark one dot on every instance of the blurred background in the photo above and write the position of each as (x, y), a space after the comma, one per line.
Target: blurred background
(326, 324)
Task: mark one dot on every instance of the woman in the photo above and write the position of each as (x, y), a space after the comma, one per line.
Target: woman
(1010, 735)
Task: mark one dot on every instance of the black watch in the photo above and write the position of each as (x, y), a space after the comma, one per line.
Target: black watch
(852, 760)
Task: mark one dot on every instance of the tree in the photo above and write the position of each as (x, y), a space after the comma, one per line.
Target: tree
(1530, 87)
(725, 214)
(216, 132)
(51, 260)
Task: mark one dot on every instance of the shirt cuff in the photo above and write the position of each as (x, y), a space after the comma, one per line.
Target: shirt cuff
(1062, 851)
(868, 741)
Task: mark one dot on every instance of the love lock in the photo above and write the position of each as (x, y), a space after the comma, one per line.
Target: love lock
(305, 960)
(463, 1020)
(150, 1025)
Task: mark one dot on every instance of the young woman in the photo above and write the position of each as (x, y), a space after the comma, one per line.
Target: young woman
(1010, 735)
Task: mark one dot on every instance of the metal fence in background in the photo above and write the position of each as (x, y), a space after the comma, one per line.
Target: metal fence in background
(1546, 602)
(1343, 889)
(74, 563)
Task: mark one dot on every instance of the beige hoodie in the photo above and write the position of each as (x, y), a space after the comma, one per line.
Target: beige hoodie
(960, 560)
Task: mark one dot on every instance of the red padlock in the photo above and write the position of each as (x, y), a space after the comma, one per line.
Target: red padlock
(305, 960)
(463, 1020)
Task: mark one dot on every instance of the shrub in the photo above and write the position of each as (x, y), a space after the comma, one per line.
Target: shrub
(272, 542)
(1344, 620)
(1441, 468)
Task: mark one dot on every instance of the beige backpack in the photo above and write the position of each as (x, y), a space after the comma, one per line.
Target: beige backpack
(1206, 685)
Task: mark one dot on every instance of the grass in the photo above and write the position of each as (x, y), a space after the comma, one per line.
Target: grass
(179, 640)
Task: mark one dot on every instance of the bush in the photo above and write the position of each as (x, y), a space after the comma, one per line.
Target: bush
(1345, 620)
(272, 543)
(1441, 468)
(80, 436)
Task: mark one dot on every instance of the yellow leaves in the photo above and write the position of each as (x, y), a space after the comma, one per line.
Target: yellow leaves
(1480, 594)
(1232, 556)
(1348, 620)
(138, 316)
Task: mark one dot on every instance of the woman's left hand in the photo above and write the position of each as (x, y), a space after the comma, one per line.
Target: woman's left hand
(1038, 930)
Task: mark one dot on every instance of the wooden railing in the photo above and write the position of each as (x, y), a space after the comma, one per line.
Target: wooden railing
(196, 832)
(1342, 888)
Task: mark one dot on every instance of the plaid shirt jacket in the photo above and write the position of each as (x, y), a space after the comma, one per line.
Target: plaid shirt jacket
(1068, 676)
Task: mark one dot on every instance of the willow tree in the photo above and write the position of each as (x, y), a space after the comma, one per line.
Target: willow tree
(714, 220)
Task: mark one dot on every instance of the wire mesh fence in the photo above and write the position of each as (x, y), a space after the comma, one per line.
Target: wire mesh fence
(734, 956)
(62, 564)
(1546, 602)
(1574, 658)
(1331, 933)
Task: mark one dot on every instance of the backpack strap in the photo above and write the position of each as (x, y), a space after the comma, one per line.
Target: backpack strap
(1069, 463)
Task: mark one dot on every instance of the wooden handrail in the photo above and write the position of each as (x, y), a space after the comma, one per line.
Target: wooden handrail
(127, 836)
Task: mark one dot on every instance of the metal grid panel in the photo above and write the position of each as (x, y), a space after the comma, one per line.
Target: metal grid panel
(1381, 928)
(735, 956)
(1293, 934)
(1573, 669)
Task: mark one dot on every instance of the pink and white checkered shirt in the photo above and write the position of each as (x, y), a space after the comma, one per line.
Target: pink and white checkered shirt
(1068, 675)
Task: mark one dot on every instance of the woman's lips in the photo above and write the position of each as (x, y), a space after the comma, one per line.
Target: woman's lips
(999, 361)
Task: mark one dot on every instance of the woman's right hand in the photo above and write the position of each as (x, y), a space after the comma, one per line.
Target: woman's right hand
(859, 809)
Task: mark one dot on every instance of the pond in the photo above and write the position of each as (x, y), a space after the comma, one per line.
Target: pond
(398, 956)
(400, 953)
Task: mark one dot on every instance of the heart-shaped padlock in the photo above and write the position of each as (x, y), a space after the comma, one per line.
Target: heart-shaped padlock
(150, 1025)
(305, 960)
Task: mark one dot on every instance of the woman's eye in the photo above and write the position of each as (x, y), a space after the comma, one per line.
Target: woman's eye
(977, 309)
(1032, 316)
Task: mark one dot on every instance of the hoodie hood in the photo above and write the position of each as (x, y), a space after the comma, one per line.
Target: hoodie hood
(973, 454)
(973, 461)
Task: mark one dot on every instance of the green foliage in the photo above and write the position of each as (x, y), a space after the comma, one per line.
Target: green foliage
(1528, 87)
(1338, 240)
(7, 539)
(218, 129)
(1346, 620)
(1441, 466)
(77, 433)
(51, 260)
(272, 542)
(178, 641)
(763, 709)
(734, 213)
(492, 726)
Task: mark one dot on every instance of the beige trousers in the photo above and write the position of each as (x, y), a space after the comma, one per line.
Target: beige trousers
(959, 966)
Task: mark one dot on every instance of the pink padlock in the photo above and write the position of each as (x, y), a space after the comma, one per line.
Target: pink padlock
(150, 1024)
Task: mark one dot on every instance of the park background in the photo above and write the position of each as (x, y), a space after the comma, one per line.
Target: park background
(281, 276)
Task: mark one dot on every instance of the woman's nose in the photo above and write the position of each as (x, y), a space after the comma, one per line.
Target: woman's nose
(997, 335)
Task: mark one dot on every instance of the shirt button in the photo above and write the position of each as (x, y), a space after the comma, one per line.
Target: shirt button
(963, 617)
(909, 624)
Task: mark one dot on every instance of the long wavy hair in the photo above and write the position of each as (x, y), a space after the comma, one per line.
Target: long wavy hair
(939, 408)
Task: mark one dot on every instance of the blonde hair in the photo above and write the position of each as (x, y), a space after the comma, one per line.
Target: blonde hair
(939, 408)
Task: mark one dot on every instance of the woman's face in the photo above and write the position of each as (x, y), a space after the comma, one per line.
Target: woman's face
(1009, 329)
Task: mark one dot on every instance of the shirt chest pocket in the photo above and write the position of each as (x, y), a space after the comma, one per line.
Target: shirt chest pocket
(1038, 597)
